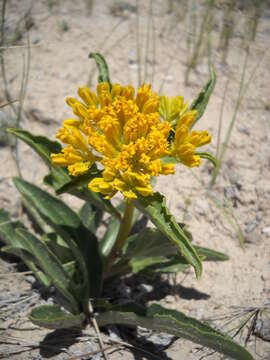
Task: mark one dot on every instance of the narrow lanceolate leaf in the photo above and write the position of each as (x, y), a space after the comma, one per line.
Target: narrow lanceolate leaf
(91, 217)
(29, 261)
(103, 68)
(67, 224)
(96, 199)
(207, 156)
(154, 207)
(8, 227)
(176, 323)
(152, 252)
(9, 235)
(79, 181)
(57, 178)
(52, 317)
(107, 242)
(50, 265)
(211, 255)
(148, 242)
(58, 246)
(202, 99)
(172, 266)
(49, 206)
(179, 264)
(44, 147)
(40, 144)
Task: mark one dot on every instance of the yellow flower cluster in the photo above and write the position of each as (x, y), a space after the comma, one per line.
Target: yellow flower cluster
(128, 135)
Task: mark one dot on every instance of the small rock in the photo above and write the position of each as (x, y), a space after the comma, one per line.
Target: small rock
(251, 226)
(159, 339)
(244, 130)
(35, 39)
(252, 237)
(170, 299)
(262, 329)
(188, 216)
(266, 231)
(202, 207)
(146, 288)
(31, 279)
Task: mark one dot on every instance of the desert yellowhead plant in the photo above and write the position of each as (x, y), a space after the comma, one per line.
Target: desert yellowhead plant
(117, 142)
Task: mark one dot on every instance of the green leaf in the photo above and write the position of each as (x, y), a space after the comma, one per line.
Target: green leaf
(57, 178)
(9, 236)
(47, 205)
(107, 242)
(42, 146)
(202, 99)
(148, 242)
(52, 317)
(176, 323)
(151, 251)
(211, 255)
(50, 265)
(8, 227)
(79, 181)
(58, 246)
(96, 199)
(138, 264)
(29, 260)
(103, 69)
(154, 207)
(174, 265)
(90, 216)
(38, 223)
(207, 156)
(67, 224)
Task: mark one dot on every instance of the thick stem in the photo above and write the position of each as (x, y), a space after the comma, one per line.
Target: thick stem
(122, 236)
(124, 228)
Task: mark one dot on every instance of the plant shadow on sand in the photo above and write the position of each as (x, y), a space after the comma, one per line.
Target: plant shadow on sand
(54, 342)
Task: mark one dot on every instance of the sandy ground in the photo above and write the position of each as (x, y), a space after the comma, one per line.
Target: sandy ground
(60, 42)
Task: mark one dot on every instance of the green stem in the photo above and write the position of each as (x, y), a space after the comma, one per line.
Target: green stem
(124, 228)
(122, 236)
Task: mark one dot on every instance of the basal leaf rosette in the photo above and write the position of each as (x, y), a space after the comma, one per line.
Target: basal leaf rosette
(128, 136)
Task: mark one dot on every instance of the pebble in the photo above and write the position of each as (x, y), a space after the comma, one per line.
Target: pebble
(31, 279)
(266, 231)
(35, 39)
(251, 226)
(159, 339)
(244, 130)
(146, 288)
(262, 329)
(170, 299)
(202, 207)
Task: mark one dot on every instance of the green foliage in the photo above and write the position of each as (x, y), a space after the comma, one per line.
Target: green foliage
(70, 255)
(103, 69)
(202, 99)
(154, 207)
(151, 252)
(52, 317)
(176, 323)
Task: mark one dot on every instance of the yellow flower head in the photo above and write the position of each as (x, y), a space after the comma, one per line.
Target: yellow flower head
(128, 136)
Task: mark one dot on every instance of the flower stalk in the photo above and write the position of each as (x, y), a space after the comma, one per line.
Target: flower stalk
(123, 233)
